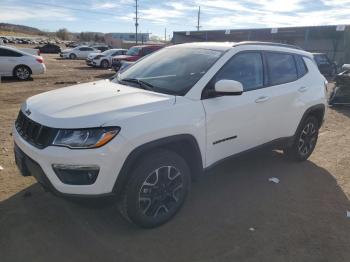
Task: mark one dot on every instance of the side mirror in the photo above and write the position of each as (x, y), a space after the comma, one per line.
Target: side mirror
(228, 88)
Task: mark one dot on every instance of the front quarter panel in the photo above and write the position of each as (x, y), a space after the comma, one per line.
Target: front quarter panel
(183, 117)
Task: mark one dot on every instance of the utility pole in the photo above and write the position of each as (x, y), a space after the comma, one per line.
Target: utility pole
(198, 18)
(136, 19)
(165, 34)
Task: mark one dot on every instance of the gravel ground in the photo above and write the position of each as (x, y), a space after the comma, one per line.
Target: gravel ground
(232, 214)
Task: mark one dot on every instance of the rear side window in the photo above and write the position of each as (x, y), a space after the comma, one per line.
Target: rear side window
(281, 68)
(246, 68)
(9, 53)
(302, 69)
(85, 49)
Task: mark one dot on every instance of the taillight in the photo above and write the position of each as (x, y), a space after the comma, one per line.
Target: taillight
(40, 60)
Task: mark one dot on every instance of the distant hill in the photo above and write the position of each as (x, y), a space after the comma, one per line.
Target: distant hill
(19, 29)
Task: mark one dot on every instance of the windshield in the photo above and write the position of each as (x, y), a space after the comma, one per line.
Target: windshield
(133, 51)
(172, 70)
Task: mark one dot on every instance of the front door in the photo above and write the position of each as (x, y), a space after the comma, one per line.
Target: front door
(234, 123)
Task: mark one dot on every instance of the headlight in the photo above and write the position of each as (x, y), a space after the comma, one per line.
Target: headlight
(85, 138)
(98, 57)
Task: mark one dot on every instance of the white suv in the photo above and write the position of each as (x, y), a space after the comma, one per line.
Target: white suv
(145, 134)
(103, 59)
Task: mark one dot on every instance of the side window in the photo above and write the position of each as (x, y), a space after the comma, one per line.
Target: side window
(9, 53)
(301, 66)
(246, 68)
(281, 68)
(147, 51)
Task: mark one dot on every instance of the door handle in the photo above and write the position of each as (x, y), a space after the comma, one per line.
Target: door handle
(302, 89)
(262, 99)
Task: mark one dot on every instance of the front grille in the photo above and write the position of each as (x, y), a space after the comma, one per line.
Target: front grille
(34, 133)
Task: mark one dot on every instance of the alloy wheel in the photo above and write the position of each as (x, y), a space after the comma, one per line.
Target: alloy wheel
(161, 191)
(307, 139)
(22, 73)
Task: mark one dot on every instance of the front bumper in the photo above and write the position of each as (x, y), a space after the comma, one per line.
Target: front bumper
(109, 158)
(89, 62)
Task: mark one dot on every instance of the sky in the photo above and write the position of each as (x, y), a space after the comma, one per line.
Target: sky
(174, 15)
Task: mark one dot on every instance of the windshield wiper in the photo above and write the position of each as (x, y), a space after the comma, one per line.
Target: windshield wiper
(141, 83)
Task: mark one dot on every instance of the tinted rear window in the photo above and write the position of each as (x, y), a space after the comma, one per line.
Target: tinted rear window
(9, 53)
(302, 69)
(281, 68)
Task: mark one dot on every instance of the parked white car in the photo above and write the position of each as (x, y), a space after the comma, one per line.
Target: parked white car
(177, 112)
(103, 59)
(31, 51)
(79, 52)
(14, 62)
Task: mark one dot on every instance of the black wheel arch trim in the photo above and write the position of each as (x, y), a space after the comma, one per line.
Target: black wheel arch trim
(195, 164)
(318, 111)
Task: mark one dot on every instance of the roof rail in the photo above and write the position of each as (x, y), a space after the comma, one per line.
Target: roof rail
(267, 43)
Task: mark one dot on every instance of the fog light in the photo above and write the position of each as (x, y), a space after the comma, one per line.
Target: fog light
(76, 174)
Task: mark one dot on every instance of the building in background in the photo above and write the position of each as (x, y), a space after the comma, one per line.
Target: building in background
(332, 40)
(125, 40)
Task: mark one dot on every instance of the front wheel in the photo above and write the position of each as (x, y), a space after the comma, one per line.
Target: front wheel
(104, 64)
(73, 56)
(156, 190)
(305, 140)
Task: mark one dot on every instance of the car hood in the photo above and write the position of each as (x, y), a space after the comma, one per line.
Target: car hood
(93, 104)
(67, 50)
(122, 57)
(92, 55)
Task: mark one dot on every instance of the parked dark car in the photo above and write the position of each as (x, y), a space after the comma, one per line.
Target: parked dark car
(325, 65)
(134, 54)
(49, 49)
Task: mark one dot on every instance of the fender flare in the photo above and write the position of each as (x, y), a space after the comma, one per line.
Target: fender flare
(196, 163)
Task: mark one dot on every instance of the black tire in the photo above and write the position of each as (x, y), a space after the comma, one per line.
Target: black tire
(104, 63)
(22, 72)
(305, 140)
(156, 190)
(72, 56)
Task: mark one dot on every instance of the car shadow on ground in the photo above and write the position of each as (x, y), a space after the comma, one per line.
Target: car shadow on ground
(343, 109)
(93, 68)
(232, 214)
(11, 79)
(105, 76)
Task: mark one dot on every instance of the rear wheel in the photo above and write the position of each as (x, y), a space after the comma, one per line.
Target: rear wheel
(104, 64)
(73, 56)
(22, 72)
(305, 140)
(156, 190)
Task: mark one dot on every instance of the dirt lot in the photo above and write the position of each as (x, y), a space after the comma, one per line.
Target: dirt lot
(232, 214)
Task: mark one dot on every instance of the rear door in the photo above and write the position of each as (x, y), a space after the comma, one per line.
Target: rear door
(285, 87)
